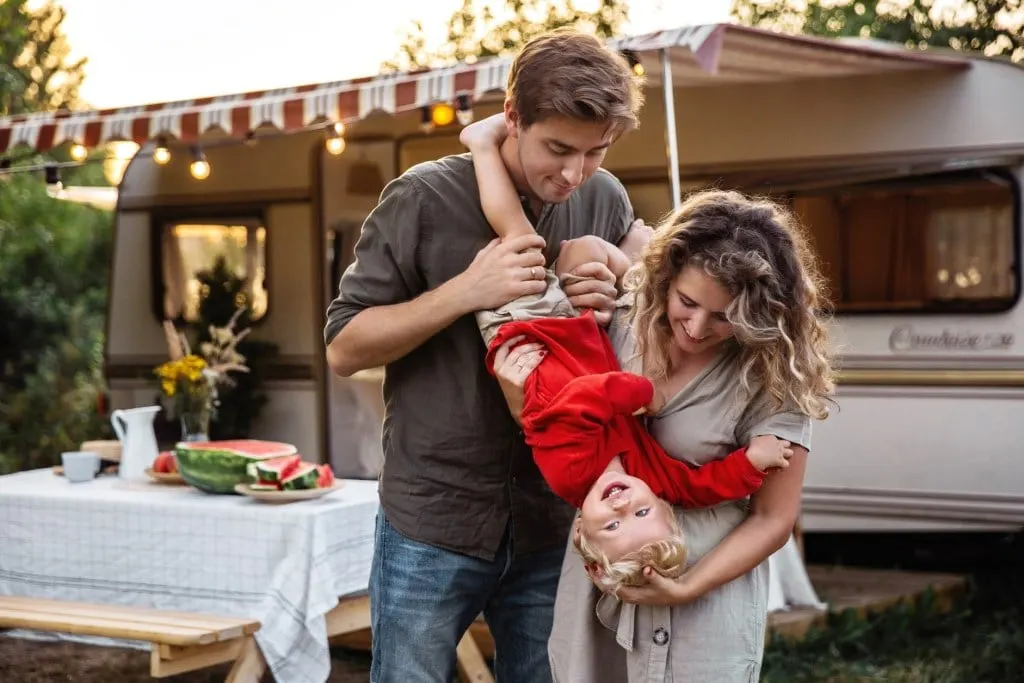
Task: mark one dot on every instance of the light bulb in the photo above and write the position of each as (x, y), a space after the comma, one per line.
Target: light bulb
(200, 169)
(161, 155)
(442, 114)
(79, 152)
(335, 145)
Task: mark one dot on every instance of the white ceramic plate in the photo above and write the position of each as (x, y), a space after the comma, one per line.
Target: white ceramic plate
(286, 496)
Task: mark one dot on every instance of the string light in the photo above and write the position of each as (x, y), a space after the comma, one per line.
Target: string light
(464, 109)
(200, 167)
(53, 177)
(426, 121)
(335, 142)
(79, 151)
(634, 62)
(442, 114)
(161, 155)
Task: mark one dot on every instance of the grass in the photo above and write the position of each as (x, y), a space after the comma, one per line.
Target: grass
(980, 641)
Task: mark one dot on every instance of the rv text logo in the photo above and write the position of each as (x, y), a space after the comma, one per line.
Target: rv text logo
(905, 338)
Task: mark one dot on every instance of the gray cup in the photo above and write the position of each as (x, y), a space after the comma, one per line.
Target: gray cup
(80, 465)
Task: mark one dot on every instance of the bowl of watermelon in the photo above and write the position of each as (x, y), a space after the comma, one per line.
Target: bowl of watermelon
(286, 479)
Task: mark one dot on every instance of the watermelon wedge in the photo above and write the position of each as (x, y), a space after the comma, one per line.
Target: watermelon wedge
(217, 466)
(325, 477)
(304, 476)
(276, 470)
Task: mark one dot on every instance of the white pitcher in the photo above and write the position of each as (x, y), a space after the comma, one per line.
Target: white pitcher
(134, 429)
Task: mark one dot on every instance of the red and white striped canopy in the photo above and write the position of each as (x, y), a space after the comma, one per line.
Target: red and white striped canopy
(699, 55)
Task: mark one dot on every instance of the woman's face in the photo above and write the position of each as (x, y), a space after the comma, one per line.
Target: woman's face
(696, 311)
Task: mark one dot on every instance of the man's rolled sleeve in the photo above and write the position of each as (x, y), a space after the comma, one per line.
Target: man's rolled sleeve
(384, 271)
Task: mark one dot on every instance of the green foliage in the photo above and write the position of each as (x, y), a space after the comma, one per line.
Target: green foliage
(34, 72)
(477, 31)
(239, 404)
(993, 27)
(980, 641)
(54, 264)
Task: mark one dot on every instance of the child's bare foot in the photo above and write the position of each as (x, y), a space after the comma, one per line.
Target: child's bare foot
(767, 452)
(489, 132)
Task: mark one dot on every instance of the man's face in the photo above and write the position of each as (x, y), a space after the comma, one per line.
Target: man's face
(558, 154)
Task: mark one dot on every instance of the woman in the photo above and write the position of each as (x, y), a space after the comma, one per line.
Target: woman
(722, 315)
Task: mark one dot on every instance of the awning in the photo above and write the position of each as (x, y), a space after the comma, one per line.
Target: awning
(700, 56)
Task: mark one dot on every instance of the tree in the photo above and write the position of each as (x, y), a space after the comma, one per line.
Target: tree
(993, 27)
(35, 74)
(476, 30)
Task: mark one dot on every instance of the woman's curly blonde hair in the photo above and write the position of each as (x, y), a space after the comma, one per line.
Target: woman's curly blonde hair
(755, 249)
(667, 556)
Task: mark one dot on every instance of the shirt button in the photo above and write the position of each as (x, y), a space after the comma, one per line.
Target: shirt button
(660, 636)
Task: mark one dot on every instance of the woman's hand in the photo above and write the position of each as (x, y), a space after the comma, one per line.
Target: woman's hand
(659, 590)
(513, 363)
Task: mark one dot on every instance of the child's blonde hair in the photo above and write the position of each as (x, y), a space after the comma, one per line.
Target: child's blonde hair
(666, 556)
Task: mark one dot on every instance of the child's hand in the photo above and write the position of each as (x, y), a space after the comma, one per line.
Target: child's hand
(767, 452)
(486, 133)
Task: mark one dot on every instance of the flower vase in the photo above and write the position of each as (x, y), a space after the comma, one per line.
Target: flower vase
(195, 426)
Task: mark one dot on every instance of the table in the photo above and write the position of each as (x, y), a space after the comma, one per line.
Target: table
(172, 547)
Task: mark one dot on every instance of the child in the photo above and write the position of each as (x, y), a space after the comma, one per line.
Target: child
(578, 412)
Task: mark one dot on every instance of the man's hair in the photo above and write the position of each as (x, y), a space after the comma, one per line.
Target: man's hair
(572, 74)
(666, 556)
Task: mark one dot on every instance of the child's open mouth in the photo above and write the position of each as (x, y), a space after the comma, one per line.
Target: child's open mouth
(613, 489)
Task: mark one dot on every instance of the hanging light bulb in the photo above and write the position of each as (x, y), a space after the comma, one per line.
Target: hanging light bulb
(335, 142)
(426, 121)
(200, 167)
(464, 109)
(442, 114)
(53, 178)
(162, 155)
(634, 62)
(79, 151)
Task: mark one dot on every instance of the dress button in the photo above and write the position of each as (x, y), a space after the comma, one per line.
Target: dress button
(660, 636)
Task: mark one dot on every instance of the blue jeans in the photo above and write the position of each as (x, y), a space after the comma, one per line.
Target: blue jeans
(423, 598)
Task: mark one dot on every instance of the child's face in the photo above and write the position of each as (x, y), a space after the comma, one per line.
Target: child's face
(621, 513)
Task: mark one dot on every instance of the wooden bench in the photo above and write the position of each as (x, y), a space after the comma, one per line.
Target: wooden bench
(180, 642)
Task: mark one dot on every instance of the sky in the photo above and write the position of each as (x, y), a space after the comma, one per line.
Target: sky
(143, 51)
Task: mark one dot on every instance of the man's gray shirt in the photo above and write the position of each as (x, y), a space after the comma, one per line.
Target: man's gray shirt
(455, 463)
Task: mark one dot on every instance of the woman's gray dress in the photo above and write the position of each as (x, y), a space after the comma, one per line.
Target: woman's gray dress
(719, 638)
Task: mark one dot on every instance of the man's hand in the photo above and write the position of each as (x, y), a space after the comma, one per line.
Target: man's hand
(597, 292)
(502, 272)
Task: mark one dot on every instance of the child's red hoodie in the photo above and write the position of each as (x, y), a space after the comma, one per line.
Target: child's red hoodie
(578, 415)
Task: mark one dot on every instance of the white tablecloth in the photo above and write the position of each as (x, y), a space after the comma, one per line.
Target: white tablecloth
(113, 542)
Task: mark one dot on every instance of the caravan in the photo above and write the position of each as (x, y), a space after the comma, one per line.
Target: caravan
(905, 166)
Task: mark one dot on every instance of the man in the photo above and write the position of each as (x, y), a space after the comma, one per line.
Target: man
(467, 524)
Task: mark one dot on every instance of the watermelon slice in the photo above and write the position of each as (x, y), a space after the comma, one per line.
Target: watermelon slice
(325, 477)
(276, 469)
(217, 466)
(302, 477)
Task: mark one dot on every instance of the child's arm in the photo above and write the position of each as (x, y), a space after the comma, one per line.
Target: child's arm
(731, 478)
(498, 195)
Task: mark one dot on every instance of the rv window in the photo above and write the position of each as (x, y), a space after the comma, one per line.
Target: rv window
(191, 251)
(938, 245)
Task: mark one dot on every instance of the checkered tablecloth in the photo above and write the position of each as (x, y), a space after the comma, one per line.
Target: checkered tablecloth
(149, 545)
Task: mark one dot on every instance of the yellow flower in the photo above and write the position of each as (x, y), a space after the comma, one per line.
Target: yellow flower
(168, 387)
